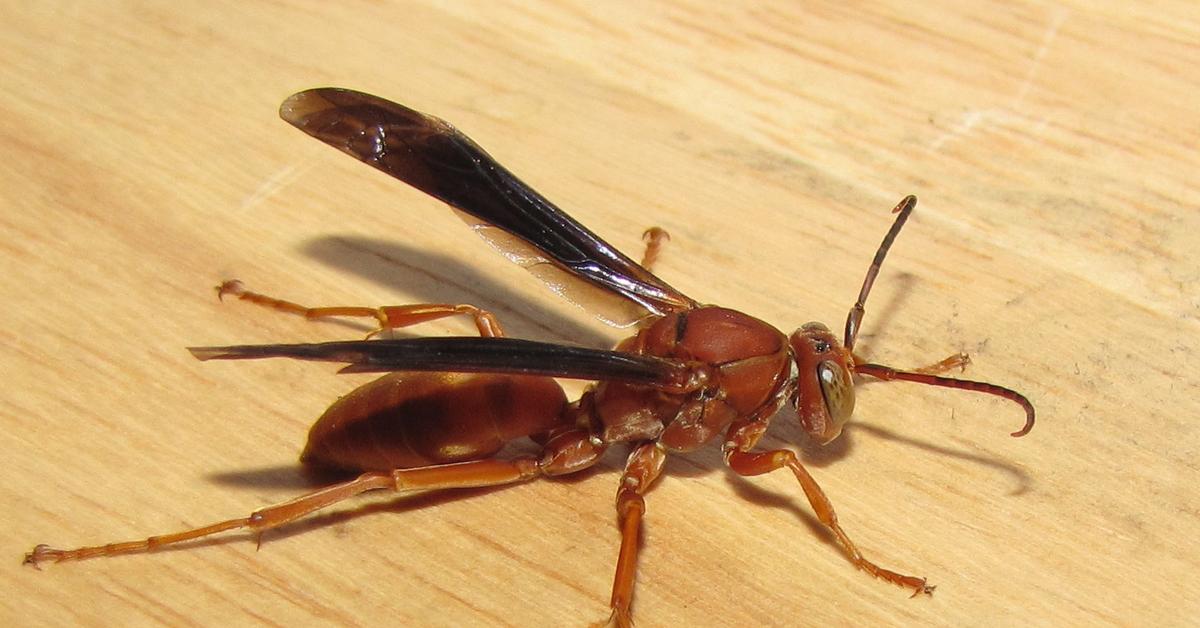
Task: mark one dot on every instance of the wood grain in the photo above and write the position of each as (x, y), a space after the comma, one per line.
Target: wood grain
(1054, 149)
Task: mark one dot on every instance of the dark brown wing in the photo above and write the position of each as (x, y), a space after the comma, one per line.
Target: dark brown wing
(434, 157)
(470, 354)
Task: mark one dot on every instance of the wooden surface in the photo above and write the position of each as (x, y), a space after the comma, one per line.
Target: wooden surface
(1053, 147)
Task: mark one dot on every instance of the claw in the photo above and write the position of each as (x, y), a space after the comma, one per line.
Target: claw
(41, 553)
(231, 286)
(616, 619)
(927, 589)
(654, 234)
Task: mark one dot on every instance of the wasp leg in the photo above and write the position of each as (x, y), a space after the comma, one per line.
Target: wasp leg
(567, 452)
(654, 237)
(641, 470)
(742, 438)
(958, 361)
(388, 316)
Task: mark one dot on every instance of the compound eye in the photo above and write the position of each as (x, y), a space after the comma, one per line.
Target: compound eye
(838, 392)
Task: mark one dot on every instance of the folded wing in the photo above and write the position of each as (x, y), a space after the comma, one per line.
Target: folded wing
(434, 157)
(470, 354)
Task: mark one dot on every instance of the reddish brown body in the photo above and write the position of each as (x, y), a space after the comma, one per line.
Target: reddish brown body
(406, 420)
(749, 361)
(690, 375)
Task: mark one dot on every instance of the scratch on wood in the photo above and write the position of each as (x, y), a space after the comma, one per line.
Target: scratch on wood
(974, 117)
(274, 183)
(1048, 38)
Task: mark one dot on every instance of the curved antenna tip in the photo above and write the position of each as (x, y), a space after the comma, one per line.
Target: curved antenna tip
(1029, 418)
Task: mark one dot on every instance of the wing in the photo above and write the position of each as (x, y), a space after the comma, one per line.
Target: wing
(434, 157)
(471, 354)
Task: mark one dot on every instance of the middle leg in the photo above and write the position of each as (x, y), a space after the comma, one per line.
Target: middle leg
(641, 470)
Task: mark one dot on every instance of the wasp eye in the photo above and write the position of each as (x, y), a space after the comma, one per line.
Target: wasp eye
(838, 392)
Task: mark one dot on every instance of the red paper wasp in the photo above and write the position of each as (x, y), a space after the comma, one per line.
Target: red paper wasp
(692, 374)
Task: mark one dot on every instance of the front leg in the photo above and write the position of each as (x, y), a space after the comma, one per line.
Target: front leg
(743, 436)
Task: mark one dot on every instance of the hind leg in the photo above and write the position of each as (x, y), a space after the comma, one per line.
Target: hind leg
(388, 316)
(654, 237)
(566, 453)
